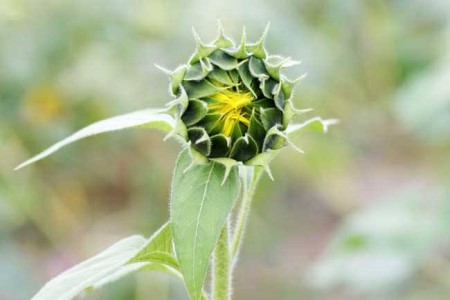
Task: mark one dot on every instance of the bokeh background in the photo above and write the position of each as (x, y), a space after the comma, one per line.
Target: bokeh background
(364, 214)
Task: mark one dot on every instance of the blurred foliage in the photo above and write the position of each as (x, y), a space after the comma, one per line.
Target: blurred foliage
(362, 215)
(384, 245)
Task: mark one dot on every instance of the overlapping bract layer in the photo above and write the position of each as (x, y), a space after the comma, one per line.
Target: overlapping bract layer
(232, 99)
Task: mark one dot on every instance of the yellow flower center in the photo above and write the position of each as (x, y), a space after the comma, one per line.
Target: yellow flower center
(230, 106)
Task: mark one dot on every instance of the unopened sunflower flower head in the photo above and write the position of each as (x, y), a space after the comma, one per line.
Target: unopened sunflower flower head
(232, 102)
(231, 105)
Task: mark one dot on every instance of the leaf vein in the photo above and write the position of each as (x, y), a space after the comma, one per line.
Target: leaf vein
(198, 222)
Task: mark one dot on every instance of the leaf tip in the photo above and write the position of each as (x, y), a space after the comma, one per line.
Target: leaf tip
(19, 167)
(268, 171)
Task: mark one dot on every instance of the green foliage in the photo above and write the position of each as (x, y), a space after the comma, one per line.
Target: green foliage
(430, 119)
(124, 257)
(383, 245)
(200, 205)
(150, 118)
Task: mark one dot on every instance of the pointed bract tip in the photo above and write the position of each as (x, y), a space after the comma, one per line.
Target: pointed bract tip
(268, 171)
(244, 36)
(173, 132)
(196, 36)
(227, 163)
(219, 27)
(226, 175)
(297, 111)
(296, 148)
(300, 78)
(289, 62)
(164, 70)
(265, 32)
(302, 111)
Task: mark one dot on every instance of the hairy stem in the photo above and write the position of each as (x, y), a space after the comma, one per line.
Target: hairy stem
(225, 254)
(244, 212)
(221, 285)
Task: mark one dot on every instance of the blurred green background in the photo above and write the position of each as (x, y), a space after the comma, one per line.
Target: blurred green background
(364, 214)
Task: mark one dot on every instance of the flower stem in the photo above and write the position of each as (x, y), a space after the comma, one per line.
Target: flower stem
(225, 255)
(244, 212)
(221, 268)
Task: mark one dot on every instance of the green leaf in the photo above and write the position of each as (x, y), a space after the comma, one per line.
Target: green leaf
(151, 118)
(200, 205)
(124, 257)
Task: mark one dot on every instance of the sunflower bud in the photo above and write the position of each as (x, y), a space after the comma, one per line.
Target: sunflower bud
(232, 99)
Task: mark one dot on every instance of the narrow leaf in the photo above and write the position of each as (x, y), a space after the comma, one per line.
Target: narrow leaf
(152, 118)
(124, 257)
(200, 206)
(81, 277)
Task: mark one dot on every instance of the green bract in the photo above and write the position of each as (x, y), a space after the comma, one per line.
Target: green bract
(232, 99)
